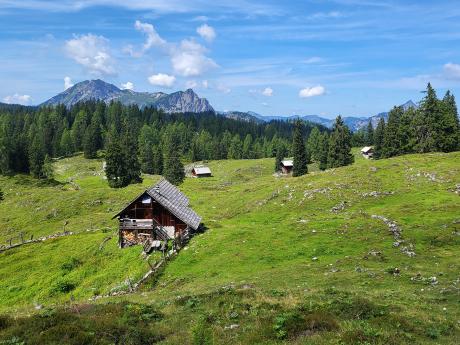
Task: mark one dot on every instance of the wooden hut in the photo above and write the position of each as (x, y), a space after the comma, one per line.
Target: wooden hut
(286, 166)
(201, 172)
(157, 215)
(367, 152)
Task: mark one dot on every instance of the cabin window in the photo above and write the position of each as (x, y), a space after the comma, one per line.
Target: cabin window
(146, 200)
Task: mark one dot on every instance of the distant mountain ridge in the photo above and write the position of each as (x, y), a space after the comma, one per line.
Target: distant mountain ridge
(180, 101)
(354, 123)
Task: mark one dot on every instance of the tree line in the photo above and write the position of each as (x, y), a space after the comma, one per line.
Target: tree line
(328, 150)
(134, 140)
(431, 127)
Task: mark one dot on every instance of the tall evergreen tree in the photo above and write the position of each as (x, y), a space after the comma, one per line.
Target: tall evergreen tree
(66, 144)
(130, 151)
(340, 145)
(247, 147)
(391, 138)
(449, 128)
(116, 169)
(369, 137)
(313, 144)
(426, 122)
(48, 171)
(157, 160)
(173, 169)
(281, 152)
(323, 147)
(146, 149)
(236, 148)
(298, 151)
(378, 139)
(37, 157)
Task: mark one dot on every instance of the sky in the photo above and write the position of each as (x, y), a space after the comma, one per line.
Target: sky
(323, 57)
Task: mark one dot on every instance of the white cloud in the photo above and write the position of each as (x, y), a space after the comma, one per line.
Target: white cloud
(162, 79)
(224, 89)
(312, 91)
(127, 86)
(153, 39)
(207, 32)
(189, 59)
(268, 92)
(313, 59)
(18, 99)
(191, 84)
(92, 52)
(452, 70)
(67, 83)
(205, 84)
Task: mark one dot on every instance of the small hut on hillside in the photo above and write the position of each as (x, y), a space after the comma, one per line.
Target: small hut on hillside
(201, 172)
(159, 214)
(367, 152)
(286, 167)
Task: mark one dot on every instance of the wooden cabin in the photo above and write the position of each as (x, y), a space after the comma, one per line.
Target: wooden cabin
(286, 167)
(201, 172)
(159, 214)
(367, 152)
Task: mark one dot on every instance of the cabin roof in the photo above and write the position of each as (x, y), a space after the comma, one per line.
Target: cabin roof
(287, 163)
(171, 198)
(202, 170)
(366, 149)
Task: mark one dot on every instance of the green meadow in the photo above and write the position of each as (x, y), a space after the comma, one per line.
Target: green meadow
(281, 260)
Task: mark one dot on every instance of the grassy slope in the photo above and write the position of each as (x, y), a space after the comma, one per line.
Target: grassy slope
(263, 233)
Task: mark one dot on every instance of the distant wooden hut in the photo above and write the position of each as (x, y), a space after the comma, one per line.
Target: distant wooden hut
(286, 167)
(201, 172)
(157, 215)
(367, 152)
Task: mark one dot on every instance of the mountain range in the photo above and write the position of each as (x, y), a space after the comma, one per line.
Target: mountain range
(187, 102)
(180, 101)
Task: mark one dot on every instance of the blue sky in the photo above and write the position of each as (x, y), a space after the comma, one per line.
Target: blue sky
(349, 57)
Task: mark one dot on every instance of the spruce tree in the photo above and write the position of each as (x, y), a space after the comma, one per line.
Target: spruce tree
(391, 139)
(130, 152)
(378, 139)
(37, 157)
(146, 155)
(281, 152)
(157, 160)
(298, 150)
(323, 147)
(247, 147)
(236, 148)
(89, 143)
(66, 144)
(339, 145)
(449, 134)
(173, 169)
(48, 171)
(116, 168)
(313, 144)
(426, 122)
(369, 137)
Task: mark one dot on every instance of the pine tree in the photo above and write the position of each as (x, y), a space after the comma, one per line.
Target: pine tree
(130, 152)
(89, 143)
(48, 171)
(298, 150)
(391, 140)
(281, 152)
(79, 129)
(37, 157)
(378, 139)
(313, 144)
(116, 168)
(146, 156)
(236, 148)
(449, 136)
(247, 147)
(66, 144)
(157, 160)
(173, 169)
(323, 147)
(426, 122)
(339, 145)
(369, 137)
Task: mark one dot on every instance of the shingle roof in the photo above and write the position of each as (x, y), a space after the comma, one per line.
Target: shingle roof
(366, 149)
(171, 198)
(202, 170)
(175, 201)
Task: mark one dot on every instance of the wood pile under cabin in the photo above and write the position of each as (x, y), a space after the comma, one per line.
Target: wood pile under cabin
(159, 214)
